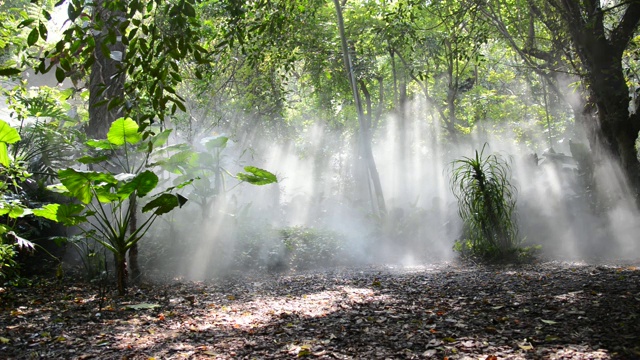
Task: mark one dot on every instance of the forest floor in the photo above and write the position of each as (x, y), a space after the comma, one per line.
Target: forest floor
(550, 310)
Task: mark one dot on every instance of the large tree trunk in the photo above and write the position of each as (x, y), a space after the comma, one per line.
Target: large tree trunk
(106, 83)
(601, 53)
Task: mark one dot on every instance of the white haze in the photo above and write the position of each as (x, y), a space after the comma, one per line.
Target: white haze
(316, 189)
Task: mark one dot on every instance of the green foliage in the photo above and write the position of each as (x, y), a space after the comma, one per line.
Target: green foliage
(8, 264)
(15, 204)
(486, 204)
(206, 167)
(92, 255)
(8, 135)
(307, 248)
(290, 248)
(108, 201)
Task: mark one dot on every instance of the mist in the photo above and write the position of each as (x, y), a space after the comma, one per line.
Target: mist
(569, 214)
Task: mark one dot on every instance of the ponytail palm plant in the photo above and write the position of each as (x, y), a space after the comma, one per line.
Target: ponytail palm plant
(486, 204)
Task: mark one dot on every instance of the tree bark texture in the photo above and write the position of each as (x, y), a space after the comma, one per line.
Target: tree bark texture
(106, 82)
(601, 55)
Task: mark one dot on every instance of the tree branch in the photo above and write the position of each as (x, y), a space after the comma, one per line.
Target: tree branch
(623, 33)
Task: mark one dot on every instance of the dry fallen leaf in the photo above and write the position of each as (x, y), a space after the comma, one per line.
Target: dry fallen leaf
(526, 346)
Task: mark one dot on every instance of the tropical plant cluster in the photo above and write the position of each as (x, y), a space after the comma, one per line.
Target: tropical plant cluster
(486, 203)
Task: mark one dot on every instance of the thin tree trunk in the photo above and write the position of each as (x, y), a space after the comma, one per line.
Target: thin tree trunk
(121, 273)
(364, 129)
(133, 251)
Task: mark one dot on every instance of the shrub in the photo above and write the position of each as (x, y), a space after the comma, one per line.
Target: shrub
(486, 204)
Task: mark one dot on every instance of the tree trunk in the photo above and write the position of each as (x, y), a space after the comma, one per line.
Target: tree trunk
(601, 53)
(106, 83)
(364, 129)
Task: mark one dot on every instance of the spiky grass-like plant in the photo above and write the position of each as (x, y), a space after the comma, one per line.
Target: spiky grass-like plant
(486, 204)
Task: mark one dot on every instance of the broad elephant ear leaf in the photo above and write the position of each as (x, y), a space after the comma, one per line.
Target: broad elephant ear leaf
(219, 142)
(164, 203)
(8, 135)
(142, 184)
(124, 130)
(66, 214)
(80, 183)
(257, 176)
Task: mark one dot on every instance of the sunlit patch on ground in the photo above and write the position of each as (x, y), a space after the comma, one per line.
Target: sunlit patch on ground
(546, 311)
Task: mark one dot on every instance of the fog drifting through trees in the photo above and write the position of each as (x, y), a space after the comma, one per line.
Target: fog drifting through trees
(317, 189)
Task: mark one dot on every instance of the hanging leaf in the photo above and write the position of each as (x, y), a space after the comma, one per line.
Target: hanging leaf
(257, 176)
(60, 75)
(188, 10)
(9, 71)
(43, 31)
(164, 203)
(124, 130)
(33, 37)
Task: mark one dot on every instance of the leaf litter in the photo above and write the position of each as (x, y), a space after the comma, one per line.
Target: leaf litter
(449, 311)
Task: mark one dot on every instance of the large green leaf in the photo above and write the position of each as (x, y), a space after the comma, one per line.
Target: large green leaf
(161, 138)
(164, 203)
(80, 183)
(219, 142)
(124, 130)
(105, 195)
(257, 176)
(142, 184)
(66, 214)
(4, 155)
(8, 134)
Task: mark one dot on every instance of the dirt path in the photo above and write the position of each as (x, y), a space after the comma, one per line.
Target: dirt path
(543, 311)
